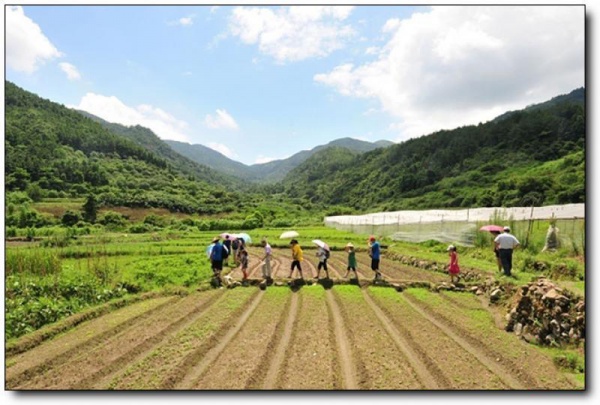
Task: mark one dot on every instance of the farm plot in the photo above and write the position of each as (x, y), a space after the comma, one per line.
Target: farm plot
(303, 338)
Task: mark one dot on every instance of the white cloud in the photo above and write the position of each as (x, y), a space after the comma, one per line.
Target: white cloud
(221, 120)
(295, 33)
(70, 70)
(111, 109)
(224, 150)
(454, 66)
(184, 21)
(214, 9)
(26, 45)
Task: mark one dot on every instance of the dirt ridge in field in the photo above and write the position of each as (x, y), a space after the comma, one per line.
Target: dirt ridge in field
(48, 358)
(197, 370)
(281, 345)
(170, 360)
(375, 354)
(484, 358)
(101, 378)
(347, 365)
(545, 376)
(427, 378)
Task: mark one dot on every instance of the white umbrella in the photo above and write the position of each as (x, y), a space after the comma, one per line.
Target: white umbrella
(289, 234)
(320, 243)
(244, 236)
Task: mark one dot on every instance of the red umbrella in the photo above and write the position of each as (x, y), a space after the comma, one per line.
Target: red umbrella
(492, 228)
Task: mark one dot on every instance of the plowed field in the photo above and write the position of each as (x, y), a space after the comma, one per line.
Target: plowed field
(302, 338)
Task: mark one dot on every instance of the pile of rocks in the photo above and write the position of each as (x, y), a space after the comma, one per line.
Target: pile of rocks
(547, 315)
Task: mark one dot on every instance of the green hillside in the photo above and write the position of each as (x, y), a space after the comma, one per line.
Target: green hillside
(147, 139)
(208, 157)
(270, 172)
(52, 151)
(535, 156)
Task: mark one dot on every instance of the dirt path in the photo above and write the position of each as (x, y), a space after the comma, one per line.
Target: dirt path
(310, 359)
(346, 362)
(278, 357)
(375, 355)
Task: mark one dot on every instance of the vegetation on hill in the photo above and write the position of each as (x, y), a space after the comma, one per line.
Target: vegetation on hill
(147, 139)
(270, 172)
(534, 157)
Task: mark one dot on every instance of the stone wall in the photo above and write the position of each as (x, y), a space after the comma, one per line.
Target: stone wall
(546, 314)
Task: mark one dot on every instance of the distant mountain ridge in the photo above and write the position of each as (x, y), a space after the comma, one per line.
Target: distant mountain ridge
(150, 141)
(272, 171)
(535, 156)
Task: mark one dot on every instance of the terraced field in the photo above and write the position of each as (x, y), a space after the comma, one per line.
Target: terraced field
(281, 338)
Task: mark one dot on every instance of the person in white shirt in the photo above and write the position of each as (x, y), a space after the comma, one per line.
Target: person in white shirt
(266, 267)
(322, 255)
(506, 243)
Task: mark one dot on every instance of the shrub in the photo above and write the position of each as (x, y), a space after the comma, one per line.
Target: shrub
(140, 228)
(112, 219)
(70, 218)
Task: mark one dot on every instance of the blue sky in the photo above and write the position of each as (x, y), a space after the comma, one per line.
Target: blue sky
(263, 82)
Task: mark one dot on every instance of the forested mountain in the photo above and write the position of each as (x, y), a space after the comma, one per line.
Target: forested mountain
(209, 157)
(270, 172)
(534, 156)
(52, 151)
(150, 141)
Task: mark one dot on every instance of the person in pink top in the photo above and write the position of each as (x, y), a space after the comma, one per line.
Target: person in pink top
(453, 267)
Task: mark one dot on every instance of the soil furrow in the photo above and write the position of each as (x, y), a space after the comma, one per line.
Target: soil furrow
(478, 326)
(380, 364)
(425, 376)
(246, 359)
(196, 371)
(51, 354)
(275, 365)
(311, 357)
(101, 378)
(490, 363)
(167, 361)
(344, 350)
(453, 367)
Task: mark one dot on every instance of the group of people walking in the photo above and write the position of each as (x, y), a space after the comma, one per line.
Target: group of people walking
(323, 255)
(220, 252)
(504, 245)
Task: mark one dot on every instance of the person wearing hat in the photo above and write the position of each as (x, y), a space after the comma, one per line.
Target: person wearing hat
(296, 258)
(375, 254)
(351, 260)
(506, 243)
